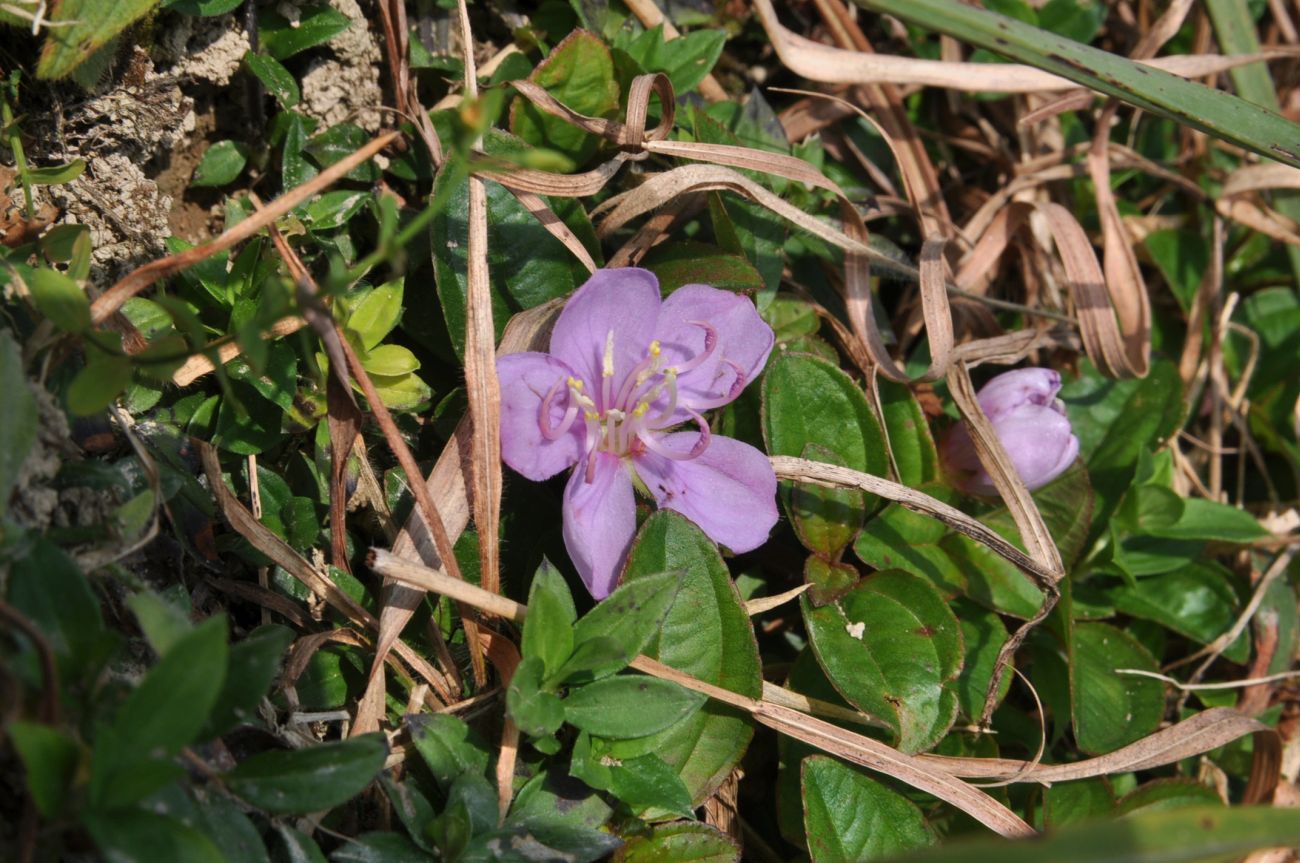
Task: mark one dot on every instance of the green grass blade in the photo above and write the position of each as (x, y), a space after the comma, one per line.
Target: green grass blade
(1212, 111)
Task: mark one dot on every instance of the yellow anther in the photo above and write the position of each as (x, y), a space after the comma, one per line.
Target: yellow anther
(654, 348)
(640, 410)
(575, 383)
(591, 415)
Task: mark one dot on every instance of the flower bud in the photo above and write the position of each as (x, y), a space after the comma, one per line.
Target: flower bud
(1031, 423)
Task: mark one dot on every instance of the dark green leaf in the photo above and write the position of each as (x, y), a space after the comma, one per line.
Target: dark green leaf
(232, 831)
(297, 847)
(706, 634)
(57, 175)
(685, 59)
(205, 8)
(277, 80)
(221, 164)
(681, 842)
(893, 648)
(694, 263)
(633, 706)
(630, 617)
(380, 848)
(579, 72)
(548, 629)
(1195, 600)
(18, 421)
(254, 663)
(910, 441)
(163, 714)
(1066, 803)
(1162, 795)
(316, 25)
(49, 760)
(536, 711)
(49, 589)
(849, 817)
(138, 836)
(333, 209)
(59, 298)
(1111, 710)
(309, 780)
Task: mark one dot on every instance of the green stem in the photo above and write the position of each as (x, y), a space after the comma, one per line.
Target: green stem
(15, 140)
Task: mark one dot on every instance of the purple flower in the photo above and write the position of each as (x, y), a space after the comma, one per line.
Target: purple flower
(624, 370)
(1031, 423)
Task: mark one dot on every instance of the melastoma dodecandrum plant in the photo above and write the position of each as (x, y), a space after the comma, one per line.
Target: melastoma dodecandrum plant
(621, 395)
(1030, 422)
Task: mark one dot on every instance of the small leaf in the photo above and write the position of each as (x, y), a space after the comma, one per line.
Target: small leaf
(254, 663)
(221, 164)
(548, 629)
(18, 421)
(57, 175)
(139, 836)
(681, 842)
(579, 72)
(314, 779)
(536, 711)
(850, 817)
(634, 706)
(98, 383)
(377, 314)
(77, 28)
(277, 80)
(1111, 710)
(59, 298)
(49, 759)
(448, 746)
(390, 361)
(631, 616)
(316, 25)
(333, 209)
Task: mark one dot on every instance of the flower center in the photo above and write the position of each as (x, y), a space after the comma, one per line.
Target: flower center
(632, 417)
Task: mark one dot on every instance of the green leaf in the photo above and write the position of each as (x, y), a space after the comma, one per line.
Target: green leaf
(77, 28)
(390, 361)
(1196, 601)
(535, 710)
(706, 634)
(1162, 795)
(232, 831)
(254, 663)
(98, 383)
(1210, 520)
(983, 635)
(527, 266)
(48, 587)
(221, 164)
(693, 263)
(681, 842)
(579, 72)
(163, 715)
(686, 59)
(205, 8)
(314, 779)
(56, 175)
(1181, 836)
(163, 624)
(49, 759)
(829, 580)
(59, 298)
(1213, 111)
(18, 421)
(316, 25)
(379, 848)
(910, 440)
(139, 836)
(646, 784)
(849, 817)
(548, 629)
(277, 80)
(338, 142)
(630, 617)
(378, 312)
(1066, 803)
(1152, 412)
(335, 208)
(633, 706)
(1111, 710)
(448, 746)
(812, 409)
(893, 648)
(898, 538)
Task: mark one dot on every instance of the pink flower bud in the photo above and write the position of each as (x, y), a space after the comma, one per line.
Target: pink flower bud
(1029, 420)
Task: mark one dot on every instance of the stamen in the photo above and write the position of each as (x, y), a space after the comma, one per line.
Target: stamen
(607, 373)
(737, 385)
(651, 442)
(670, 384)
(640, 374)
(566, 422)
(710, 344)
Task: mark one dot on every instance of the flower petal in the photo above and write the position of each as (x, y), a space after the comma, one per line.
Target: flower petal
(1038, 440)
(744, 339)
(729, 490)
(622, 301)
(526, 379)
(1010, 390)
(599, 521)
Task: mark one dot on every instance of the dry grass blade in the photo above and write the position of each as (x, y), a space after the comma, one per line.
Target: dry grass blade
(1194, 736)
(139, 279)
(265, 541)
(825, 64)
(834, 476)
(869, 753)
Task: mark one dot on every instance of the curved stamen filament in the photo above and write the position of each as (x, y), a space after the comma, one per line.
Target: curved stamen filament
(710, 345)
(566, 422)
(701, 444)
(641, 373)
(737, 385)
